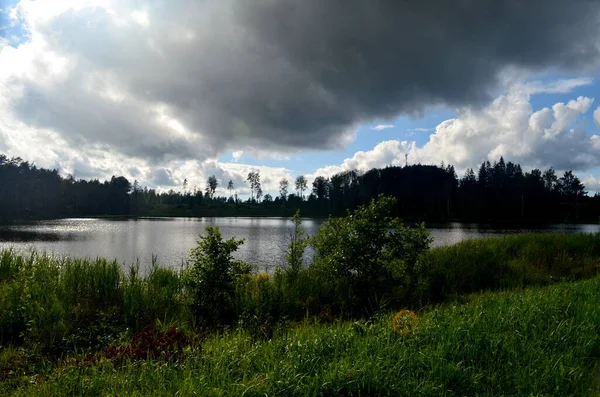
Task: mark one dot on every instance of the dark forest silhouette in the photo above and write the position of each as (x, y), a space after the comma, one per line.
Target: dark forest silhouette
(496, 192)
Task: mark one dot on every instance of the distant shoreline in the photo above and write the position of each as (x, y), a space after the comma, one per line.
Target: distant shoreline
(275, 216)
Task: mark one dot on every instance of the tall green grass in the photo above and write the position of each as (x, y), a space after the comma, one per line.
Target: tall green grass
(511, 261)
(536, 342)
(59, 304)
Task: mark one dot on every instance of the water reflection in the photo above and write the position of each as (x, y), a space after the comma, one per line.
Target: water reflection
(171, 239)
(454, 232)
(23, 236)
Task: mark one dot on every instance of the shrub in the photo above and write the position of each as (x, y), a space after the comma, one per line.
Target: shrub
(370, 256)
(212, 277)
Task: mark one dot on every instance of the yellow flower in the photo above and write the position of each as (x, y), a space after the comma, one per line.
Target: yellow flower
(404, 321)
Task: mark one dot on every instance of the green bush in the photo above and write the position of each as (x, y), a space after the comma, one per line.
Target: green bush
(266, 302)
(369, 256)
(212, 278)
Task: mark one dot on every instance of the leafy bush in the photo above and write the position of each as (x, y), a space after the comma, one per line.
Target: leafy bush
(212, 278)
(370, 256)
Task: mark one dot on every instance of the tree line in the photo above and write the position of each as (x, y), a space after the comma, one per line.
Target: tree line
(496, 191)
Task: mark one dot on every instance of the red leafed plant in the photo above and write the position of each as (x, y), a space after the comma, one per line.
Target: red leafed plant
(150, 343)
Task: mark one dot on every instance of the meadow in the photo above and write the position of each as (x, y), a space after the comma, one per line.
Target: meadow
(536, 342)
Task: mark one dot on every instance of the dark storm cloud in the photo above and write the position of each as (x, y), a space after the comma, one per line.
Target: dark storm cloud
(288, 74)
(381, 58)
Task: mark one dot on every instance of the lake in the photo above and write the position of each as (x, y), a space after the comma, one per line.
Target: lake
(171, 239)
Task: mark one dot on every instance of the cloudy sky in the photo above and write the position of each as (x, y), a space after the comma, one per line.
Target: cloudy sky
(163, 90)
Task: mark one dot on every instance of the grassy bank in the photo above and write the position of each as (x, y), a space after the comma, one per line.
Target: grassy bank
(72, 324)
(510, 262)
(60, 305)
(539, 341)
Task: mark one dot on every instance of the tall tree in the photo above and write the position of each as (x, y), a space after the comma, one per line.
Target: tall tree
(119, 195)
(136, 193)
(321, 187)
(254, 180)
(230, 188)
(484, 175)
(301, 185)
(283, 188)
(211, 186)
(550, 180)
(569, 185)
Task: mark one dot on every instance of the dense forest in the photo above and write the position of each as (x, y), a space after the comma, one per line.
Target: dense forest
(495, 192)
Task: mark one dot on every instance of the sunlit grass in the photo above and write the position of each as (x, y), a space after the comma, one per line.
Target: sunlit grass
(62, 303)
(512, 261)
(540, 341)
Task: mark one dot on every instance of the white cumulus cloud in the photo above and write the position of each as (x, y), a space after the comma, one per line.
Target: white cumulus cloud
(382, 127)
(386, 153)
(508, 127)
(597, 115)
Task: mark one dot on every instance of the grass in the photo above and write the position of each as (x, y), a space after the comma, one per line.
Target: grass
(58, 304)
(539, 341)
(510, 262)
(86, 326)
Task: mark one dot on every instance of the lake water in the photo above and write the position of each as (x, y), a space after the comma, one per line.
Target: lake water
(171, 239)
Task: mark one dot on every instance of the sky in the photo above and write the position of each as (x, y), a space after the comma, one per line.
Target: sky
(165, 90)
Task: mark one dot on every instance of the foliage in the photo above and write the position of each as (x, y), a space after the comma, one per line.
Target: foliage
(370, 253)
(283, 189)
(150, 343)
(296, 247)
(301, 184)
(211, 186)
(212, 276)
(254, 180)
(321, 187)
